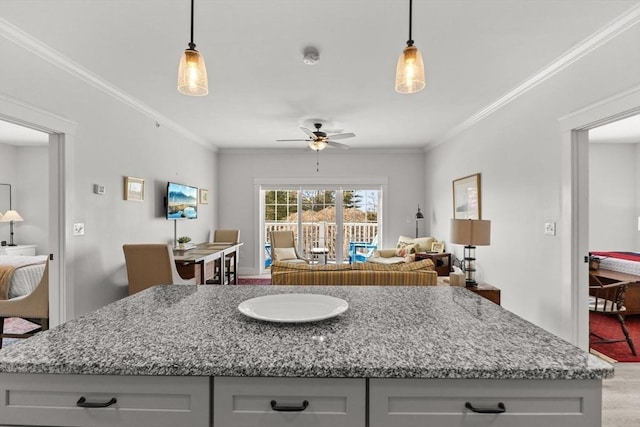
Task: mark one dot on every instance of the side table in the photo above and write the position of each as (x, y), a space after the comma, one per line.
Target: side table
(487, 291)
(442, 261)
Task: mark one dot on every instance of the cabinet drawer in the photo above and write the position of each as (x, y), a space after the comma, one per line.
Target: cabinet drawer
(51, 400)
(246, 402)
(527, 403)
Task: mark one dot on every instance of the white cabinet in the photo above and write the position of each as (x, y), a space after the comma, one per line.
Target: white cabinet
(292, 402)
(453, 403)
(104, 400)
(19, 250)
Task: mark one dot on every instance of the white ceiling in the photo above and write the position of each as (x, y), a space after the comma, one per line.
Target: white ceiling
(475, 53)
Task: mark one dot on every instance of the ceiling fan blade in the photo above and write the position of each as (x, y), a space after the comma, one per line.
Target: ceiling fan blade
(337, 145)
(292, 140)
(308, 132)
(342, 135)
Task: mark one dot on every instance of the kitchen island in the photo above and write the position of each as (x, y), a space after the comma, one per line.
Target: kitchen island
(399, 356)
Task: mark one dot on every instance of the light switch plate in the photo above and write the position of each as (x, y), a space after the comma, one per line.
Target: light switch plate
(549, 228)
(78, 229)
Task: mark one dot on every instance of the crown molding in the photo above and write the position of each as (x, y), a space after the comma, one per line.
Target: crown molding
(591, 43)
(35, 46)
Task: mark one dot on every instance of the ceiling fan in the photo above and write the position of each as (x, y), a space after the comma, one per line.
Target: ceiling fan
(319, 140)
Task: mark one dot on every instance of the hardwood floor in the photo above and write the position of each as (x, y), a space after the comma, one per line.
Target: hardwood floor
(620, 397)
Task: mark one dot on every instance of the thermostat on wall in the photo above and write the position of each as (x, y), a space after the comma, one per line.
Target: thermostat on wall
(98, 189)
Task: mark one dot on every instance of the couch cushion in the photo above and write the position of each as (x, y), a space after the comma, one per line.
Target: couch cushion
(425, 264)
(403, 250)
(423, 244)
(309, 267)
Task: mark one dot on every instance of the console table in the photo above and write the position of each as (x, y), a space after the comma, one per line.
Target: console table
(487, 291)
(199, 262)
(442, 261)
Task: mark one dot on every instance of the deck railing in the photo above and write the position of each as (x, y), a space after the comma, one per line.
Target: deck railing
(323, 235)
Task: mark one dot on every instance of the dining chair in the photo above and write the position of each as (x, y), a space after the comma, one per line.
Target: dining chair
(150, 264)
(283, 247)
(33, 307)
(609, 300)
(230, 260)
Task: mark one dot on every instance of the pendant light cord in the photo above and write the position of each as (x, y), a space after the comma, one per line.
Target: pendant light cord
(192, 45)
(410, 41)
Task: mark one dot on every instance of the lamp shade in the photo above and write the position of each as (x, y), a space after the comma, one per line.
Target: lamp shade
(192, 74)
(471, 232)
(410, 71)
(11, 216)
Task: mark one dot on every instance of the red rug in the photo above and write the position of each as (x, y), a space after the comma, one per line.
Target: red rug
(253, 281)
(609, 327)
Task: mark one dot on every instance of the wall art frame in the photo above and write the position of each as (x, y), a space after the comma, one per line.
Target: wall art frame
(467, 203)
(133, 189)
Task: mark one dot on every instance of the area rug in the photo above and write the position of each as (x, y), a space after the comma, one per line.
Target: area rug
(609, 327)
(253, 281)
(16, 325)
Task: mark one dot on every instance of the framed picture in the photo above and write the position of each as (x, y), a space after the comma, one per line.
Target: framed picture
(466, 197)
(437, 247)
(133, 189)
(204, 196)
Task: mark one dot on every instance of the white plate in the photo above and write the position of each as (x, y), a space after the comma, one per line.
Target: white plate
(293, 308)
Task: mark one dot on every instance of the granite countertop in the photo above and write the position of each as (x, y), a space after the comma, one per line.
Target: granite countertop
(387, 332)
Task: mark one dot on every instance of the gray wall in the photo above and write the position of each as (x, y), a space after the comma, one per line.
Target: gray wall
(613, 190)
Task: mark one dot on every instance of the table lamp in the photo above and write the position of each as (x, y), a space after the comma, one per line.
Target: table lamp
(419, 217)
(471, 233)
(11, 216)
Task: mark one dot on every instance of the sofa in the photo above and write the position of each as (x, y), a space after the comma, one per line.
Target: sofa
(418, 273)
(404, 251)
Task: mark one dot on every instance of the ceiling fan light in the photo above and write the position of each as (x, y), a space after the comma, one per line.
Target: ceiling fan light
(318, 145)
(192, 74)
(410, 71)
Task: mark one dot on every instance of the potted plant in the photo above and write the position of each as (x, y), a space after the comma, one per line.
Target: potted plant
(182, 240)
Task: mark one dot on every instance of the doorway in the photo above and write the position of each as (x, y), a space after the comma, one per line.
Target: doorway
(60, 142)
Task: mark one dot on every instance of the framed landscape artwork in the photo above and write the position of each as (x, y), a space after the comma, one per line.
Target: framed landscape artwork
(466, 197)
(133, 189)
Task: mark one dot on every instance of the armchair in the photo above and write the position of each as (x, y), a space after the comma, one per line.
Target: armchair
(33, 307)
(283, 247)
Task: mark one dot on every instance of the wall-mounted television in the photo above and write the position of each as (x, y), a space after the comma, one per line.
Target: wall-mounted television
(182, 201)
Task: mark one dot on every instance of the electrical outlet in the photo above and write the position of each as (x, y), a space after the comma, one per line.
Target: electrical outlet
(78, 229)
(549, 228)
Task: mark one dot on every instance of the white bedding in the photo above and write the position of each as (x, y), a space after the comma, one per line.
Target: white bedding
(27, 275)
(620, 265)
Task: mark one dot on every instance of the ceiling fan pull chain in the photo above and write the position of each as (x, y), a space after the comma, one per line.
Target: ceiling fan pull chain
(317, 160)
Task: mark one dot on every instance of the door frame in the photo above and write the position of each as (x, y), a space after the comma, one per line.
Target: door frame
(61, 136)
(575, 203)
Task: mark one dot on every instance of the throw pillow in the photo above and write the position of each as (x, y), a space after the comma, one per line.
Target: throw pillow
(403, 250)
(282, 254)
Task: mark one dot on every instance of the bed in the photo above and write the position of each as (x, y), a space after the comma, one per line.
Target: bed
(623, 262)
(22, 274)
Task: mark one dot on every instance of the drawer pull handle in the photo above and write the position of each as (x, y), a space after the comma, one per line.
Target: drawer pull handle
(286, 408)
(82, 402)
(500, 409)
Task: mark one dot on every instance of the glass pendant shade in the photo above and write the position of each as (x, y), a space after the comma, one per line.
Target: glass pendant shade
(317, 145)
(192, 74)
(410, 71)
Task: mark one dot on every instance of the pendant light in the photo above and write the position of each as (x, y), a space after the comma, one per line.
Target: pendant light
(410, 69)
(192, 73)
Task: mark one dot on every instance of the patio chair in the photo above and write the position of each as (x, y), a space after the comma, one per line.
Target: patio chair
(361, 251)
(283, 247)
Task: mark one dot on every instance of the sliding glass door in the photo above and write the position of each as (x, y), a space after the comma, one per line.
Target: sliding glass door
(331, 220)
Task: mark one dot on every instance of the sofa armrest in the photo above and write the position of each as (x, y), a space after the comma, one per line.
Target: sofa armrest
(385, 253)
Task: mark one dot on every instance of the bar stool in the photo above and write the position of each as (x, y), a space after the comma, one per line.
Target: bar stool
(227, 236)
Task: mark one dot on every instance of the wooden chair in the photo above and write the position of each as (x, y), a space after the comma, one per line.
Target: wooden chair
(33, 307)
(227, 236)
(151, 264)
(283, 247)
(609, 300)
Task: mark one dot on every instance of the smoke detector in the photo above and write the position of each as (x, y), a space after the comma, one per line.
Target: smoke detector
(311, 55)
